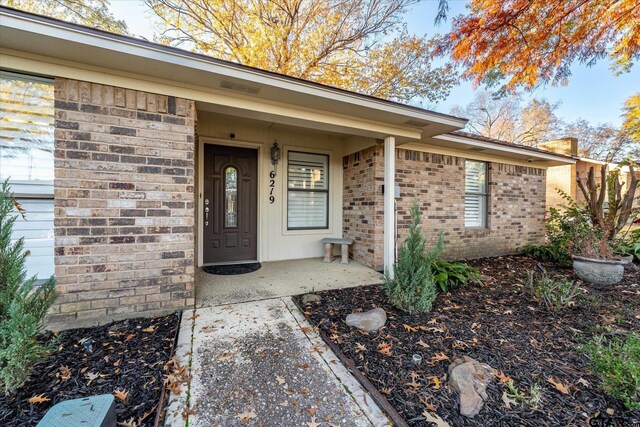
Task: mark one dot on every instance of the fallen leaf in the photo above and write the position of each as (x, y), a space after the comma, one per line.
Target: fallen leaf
(558, 385)
(226, 356)
(246, 416)
(385, 348)
(149, 329)
(434, 418)
(409, 328)
(432, 321)
(436, 382)
(121, 394)
(40, 398)
(584, 382)
(311, 411)
(501, 376)
(313, 423)
(508, 312)
(413, 383)
(610, 411)
(423, 344)
(426, 403)
(91, 376)
(65, 373)
(507, 401)
(189, 411)
(360, 347)
(437, 358)
(280, 380)
(129, 337)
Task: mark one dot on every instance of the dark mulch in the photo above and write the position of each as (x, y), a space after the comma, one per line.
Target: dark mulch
(496, 323)
(128, 356)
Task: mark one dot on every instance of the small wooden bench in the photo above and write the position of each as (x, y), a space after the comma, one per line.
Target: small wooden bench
(328, 243)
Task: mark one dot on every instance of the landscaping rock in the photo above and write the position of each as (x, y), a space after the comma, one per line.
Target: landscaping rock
(369, 321)
(470, 379)
(311, 298)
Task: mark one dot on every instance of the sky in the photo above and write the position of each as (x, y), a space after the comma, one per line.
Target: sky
(593, 93)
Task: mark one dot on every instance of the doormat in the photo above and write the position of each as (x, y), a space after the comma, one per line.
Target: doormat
(231, 269)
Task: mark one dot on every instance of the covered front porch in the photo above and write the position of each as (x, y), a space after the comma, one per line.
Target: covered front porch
(281, 278)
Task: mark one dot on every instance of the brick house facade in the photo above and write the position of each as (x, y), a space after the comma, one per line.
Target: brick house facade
(125, 199)
(516, 207)
(124, 202)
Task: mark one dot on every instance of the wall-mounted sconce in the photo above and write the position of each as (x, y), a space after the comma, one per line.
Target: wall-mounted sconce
(275, 154)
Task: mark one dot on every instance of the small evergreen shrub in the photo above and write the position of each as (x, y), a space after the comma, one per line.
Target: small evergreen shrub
(617, 363)
(448, 274)
(413, 289)
(553, 294)
(23, 304)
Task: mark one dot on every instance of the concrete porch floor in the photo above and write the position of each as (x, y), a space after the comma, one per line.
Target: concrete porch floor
(281, 278)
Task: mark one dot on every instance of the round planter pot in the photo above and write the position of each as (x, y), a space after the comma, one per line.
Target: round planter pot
(599, 271)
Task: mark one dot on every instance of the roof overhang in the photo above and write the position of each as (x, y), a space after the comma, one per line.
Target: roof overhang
(475, 148)
(37, 38)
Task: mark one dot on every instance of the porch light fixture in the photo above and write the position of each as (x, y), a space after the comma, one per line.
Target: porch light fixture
(275, 154)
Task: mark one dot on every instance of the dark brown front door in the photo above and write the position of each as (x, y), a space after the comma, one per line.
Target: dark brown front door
(230, 195)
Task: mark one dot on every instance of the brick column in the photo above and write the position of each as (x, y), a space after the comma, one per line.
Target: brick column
(124, 203)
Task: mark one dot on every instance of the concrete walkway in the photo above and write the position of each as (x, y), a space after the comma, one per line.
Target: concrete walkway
(261, 364)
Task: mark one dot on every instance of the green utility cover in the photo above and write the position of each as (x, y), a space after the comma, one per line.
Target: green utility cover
(94, 411)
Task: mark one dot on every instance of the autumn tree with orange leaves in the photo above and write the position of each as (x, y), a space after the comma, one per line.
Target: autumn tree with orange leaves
(358, 45)
(525, 43)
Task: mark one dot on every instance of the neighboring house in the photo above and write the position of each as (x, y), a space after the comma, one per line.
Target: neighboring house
(138, 163)
(565, 177)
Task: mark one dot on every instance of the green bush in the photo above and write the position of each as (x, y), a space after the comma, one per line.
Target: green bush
(553, 294)
(564, 228)
(629, 245)
(23, 304)
(413, 289)
(447, 274)
(617, 363)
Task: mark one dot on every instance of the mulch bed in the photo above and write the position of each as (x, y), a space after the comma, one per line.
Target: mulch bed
(127, 356)
(495, 323)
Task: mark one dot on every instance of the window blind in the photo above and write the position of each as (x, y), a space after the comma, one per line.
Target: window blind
(26, 159)
(475, 200)
(308, 191)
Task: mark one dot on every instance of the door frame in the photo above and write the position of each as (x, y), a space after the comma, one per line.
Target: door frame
(199, 197)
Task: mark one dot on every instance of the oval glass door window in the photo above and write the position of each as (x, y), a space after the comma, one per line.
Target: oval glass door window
(230, 197)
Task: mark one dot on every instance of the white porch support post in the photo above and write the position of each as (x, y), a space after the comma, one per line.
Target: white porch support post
(389, 203)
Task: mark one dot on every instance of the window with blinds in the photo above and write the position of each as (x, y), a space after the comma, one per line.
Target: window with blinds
(475, 197)
(307, 191)
(26, 159)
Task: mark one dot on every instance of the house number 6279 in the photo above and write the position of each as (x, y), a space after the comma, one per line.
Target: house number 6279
(272, 186)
